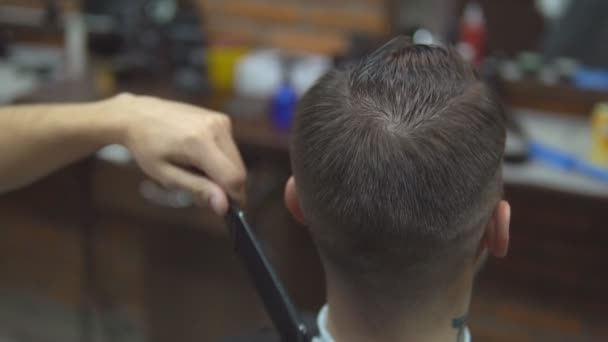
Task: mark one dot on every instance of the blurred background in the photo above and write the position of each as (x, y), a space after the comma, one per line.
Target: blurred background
(98, 252)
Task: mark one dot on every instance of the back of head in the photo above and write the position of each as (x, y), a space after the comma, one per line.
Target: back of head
(397, 164)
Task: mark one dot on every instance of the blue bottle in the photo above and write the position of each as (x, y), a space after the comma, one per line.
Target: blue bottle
(283, 106)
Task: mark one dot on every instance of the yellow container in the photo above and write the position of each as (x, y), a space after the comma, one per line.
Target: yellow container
(221, 61)
(599, 127)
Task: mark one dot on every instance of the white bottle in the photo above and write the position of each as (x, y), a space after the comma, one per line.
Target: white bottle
(75, 46)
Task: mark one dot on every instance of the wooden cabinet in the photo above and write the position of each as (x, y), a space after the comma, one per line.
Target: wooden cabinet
(171, 271)
(552, 284)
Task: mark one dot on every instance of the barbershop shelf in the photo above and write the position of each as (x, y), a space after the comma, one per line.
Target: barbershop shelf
(537, 175)
(561, 98)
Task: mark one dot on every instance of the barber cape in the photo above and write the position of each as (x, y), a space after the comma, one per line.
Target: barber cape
(318, 329)
(325, 336)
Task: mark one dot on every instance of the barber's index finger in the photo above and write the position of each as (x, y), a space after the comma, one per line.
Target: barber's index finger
(217, 166)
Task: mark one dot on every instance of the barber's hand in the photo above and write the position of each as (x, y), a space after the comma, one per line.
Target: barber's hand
(184, 147)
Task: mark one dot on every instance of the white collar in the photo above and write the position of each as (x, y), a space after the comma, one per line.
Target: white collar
(325, 336)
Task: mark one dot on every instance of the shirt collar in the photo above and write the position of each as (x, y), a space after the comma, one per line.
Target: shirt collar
(325, 336)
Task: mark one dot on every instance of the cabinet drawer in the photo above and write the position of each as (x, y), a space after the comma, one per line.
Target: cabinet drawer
(125, 190)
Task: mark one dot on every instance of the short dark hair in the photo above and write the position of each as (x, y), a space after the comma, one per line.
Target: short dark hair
(397, 161)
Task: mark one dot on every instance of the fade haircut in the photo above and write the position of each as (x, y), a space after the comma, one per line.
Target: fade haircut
(397, 162)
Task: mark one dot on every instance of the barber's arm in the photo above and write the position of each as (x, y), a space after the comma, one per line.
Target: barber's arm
(179, 145)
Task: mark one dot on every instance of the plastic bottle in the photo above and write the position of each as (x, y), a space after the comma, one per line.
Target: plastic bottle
(283, 106)
(75, 45)
(472, 33)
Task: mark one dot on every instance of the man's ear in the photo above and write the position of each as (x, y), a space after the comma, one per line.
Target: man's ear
(291, 200)
(496, 238)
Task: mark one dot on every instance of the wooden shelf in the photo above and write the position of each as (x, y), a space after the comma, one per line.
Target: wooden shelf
(561, 98)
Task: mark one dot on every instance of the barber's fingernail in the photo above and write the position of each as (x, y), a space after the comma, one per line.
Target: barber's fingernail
(215, 202)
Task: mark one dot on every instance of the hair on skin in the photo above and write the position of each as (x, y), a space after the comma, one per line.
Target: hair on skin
(397, 162)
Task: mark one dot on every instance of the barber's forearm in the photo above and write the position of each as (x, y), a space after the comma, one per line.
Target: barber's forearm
(39, 139)
(178, 145)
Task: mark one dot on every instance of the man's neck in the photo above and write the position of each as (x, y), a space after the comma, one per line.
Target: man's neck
(434, 320)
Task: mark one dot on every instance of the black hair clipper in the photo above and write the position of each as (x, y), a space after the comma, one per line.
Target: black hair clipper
(276, 301)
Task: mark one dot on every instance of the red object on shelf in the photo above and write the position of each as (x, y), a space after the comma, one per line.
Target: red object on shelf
(472, 36)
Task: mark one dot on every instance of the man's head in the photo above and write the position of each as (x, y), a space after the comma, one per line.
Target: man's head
(397, 165)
